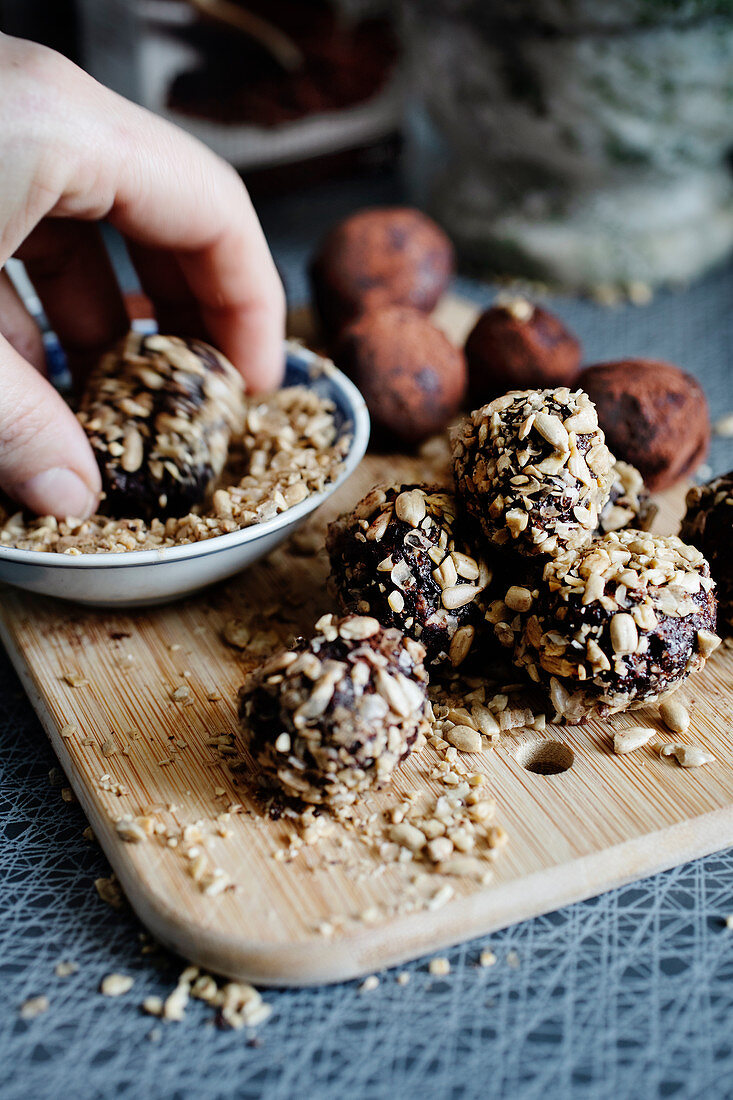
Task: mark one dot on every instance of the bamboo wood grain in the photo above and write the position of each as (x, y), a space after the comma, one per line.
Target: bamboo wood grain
(605, 821)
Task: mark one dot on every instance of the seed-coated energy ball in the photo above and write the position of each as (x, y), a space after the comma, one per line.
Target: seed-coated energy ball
(412, 378)
(159, 412)
(533, 469)
(708, 524)
(629, 504)
(516, 345)
(396, 556)
(617, 624)
(654, 415)
(335, 715)
(376, 258)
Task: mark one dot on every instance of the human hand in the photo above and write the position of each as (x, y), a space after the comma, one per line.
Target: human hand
(73, 153)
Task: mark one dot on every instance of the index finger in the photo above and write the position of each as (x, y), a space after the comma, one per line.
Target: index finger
(92, 154)
(197, 208)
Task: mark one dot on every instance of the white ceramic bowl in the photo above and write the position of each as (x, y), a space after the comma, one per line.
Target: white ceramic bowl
(145, 577)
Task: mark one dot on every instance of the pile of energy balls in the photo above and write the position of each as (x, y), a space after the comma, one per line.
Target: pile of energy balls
(541, 549)
(515, 558)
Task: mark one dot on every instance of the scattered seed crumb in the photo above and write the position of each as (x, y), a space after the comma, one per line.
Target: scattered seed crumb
(369, 984)
(68, 731)
(236, 633)
(487, 958)
(34, 1006)
(631, 738)
(153, 1006)
(65, 969)
(512, 959)
(75, 679)
(114, 985)
(403, 978)
(88, 833)
(56, 777)
(182, 694)
(439, 967)
(240, 1004)
(67, 794)
(687, 756)
(729, 921)
(110, 891)
(674, 715)
(134, 829)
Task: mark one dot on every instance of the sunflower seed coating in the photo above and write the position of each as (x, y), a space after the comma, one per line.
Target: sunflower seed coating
(708, 524)
(397, 556)
(334, 716)
(532, 468)
(629, 504)
(159, 412)
(615, 625)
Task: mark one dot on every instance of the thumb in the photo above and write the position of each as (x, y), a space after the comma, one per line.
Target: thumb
(46, 463)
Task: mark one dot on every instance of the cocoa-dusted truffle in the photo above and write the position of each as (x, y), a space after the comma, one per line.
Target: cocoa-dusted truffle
(533, 469)
(708, 524)
(380, 257)
(159, 412)
(516, 345)
(654, 416)
(412, 378)
(336, 714)
(629, 504)
(396, 556)
(617, 624)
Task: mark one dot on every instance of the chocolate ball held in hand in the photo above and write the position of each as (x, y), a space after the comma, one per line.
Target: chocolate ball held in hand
(654, 416)
(516, 345)
(379, 257)
(412, 378)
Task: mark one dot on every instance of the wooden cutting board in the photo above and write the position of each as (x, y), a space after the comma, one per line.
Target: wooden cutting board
(133, 704)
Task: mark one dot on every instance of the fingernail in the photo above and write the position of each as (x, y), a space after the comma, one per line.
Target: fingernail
(58, 492)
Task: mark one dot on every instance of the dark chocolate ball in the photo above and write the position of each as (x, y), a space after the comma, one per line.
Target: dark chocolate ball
(334, 716)
(708, 524)
(617, 624)
(516, 345)
(379, 257)
(399, 556)
(533, 470)
(654, 416)
(412, 378)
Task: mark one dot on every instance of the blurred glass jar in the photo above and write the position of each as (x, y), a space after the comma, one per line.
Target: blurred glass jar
(597, 157)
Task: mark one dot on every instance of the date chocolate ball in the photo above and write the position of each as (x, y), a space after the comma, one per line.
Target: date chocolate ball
(334, 716)
(412, 378)
(516, 345)
(708, 524)
(380, 257)
(397, 556)
(654, 415)
(159, 412)
(618, 624)
(533, 470)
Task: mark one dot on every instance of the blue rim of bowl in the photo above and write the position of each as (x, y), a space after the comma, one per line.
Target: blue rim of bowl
(352, 416)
